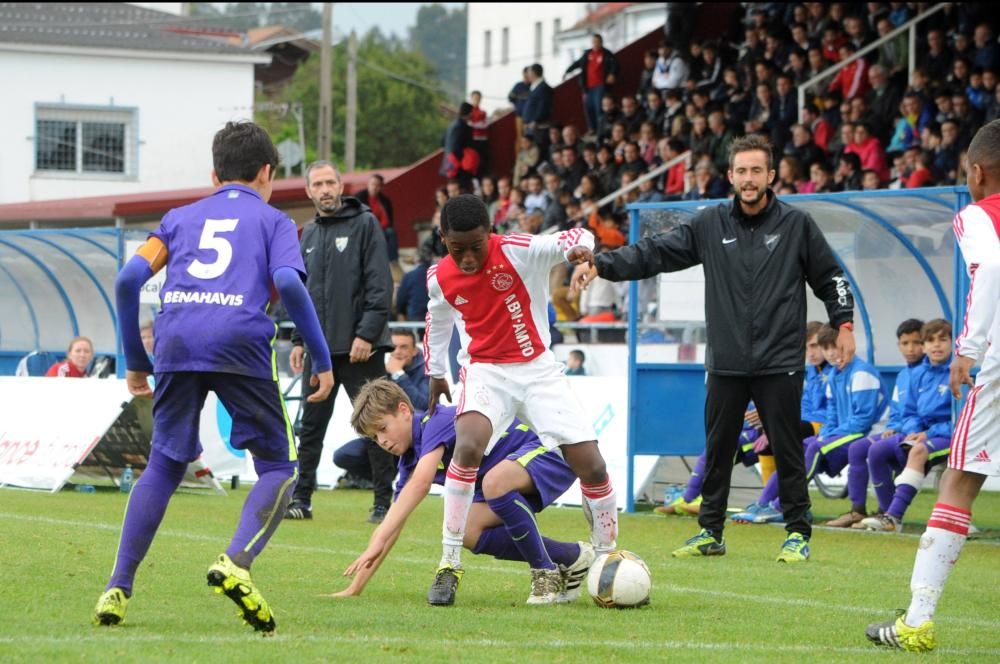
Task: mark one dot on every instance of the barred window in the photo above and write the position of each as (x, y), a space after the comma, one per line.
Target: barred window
(85, 140)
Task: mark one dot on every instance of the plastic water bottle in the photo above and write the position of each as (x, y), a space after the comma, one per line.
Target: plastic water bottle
(86, 488)
(125, 484)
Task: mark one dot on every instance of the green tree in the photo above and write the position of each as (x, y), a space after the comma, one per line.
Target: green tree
(440, 36)
(246, 15)
(399, 118)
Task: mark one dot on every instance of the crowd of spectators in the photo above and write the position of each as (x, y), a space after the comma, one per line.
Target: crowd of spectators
(870, 125)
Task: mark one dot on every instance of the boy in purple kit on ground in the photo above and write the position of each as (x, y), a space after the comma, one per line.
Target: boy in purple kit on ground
(222, 254)
(923, 439)
(519, 478)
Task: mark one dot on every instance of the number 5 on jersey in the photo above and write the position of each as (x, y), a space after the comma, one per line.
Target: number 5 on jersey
(222, 247)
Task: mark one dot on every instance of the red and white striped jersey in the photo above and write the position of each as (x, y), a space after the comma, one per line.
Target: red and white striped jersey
(977, 229)
(500, 312)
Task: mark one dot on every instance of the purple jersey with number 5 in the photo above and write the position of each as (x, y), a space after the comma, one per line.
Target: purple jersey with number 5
(222, 253)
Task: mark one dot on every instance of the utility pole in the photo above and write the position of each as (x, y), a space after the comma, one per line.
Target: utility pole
(351, 124)
(325, 84)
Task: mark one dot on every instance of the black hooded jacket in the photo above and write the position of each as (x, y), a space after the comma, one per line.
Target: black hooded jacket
(756, 269)
(349, 280)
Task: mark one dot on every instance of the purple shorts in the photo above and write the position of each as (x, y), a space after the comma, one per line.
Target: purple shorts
(260, 423)
(549, 473)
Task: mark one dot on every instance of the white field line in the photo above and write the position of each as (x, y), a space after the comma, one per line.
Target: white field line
(280, 641)
(874, 612)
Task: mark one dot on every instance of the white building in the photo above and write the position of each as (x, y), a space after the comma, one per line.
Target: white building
(112, 99)
(504, 38)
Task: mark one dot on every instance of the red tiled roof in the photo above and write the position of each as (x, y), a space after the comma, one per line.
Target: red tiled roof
(601, 13)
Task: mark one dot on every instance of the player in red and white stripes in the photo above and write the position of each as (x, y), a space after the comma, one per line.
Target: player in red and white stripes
(975, 445)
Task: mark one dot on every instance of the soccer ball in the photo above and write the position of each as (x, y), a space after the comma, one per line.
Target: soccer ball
(619, 580)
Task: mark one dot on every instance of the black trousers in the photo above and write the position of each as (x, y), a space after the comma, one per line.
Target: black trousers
(316, 418)
(778, 398)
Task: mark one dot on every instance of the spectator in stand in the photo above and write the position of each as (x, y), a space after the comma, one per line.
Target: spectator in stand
(555, 142)
(574, 363)
(987, 53)
(800, 38)
(820, 128)
(671, 70)
(537, 199)
(589, 156)
(571, 138)
(775, 48)
(919, 86)
(598, 70)
(845, 136)
(870, 181)
(711, 68)
(856, 32)
(785, 109)
(609, 115)
(632, 118)
(572, 168)
(977, 93)
(617, 142)
(869, 150)
(706, 185)
(607, 168)
(518, 96)
(721, 138)
(694, 62)
(798, 67)
(993, 109)
(480, 133)
(412, 298)
(848, 174)
(894, 53)
(589, 190)
(962, 46)
(803, 147)
(648, 192)
(942, 105)
(526, 160)
(500, 207)
(623, 200)
(381, 207)
(555, 213)
(852, 80)
(700, 138)
(883, 102)
(633, 159)
(646, 77)
(913, 117)
(538, 108)
(509, 222)
(671, 183)
(78, 356)
(655, 112)
(946, 157)
(958, 79)
(833, 40)
(921, 175)
(647, 142)
(820, 179)
(460, 159)
(453, 188)
(762, 116)
(673, 108)
(935, 60)
(606, 225)
(968, 118)
(817, 63)
(790, 172)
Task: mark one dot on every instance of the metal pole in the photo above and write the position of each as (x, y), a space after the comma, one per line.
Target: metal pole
(911, 61)
(297, 112)
(351, 125)
(325, 84)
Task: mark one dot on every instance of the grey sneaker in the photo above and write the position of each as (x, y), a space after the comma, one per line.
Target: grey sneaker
(546, 586)
(378, 514)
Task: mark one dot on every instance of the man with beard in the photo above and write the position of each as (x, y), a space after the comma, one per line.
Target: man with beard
(758, 252)
(351, 287)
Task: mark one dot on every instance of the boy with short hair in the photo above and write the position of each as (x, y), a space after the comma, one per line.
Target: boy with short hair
(425, 445)
(222, 255)
(975, 450)
(494, 291)
(574, 363)
(924, 436)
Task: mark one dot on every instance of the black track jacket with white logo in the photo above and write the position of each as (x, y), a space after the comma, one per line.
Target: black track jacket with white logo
(756, 269)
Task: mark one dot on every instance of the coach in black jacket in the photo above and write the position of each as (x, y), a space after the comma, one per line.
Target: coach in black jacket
(757, 253)
(350, 285)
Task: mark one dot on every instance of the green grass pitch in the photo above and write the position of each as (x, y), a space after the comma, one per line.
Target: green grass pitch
(57, 551)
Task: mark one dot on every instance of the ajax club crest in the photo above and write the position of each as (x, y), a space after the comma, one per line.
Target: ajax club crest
(500, 281)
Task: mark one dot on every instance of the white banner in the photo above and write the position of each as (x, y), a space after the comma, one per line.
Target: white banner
(49, 425)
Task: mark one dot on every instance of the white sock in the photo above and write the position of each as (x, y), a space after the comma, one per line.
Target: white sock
(937, 554)
(603, 506)
(910, 476)
(459, 486)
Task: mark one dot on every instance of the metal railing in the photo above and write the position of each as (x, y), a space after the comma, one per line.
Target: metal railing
(649, 175)
(910, 26)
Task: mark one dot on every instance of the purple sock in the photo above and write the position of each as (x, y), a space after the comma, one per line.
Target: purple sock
(881, 465)
(857, 473)
(147, 503)
(263, 510)
(693, 489)
(519, 520)
(901, 500)
(770, 491)
(496, 542)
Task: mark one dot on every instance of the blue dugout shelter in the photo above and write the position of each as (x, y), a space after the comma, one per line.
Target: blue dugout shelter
(897, 251)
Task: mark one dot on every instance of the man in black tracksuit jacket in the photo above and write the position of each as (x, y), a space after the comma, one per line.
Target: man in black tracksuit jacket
(350, 285)
(756, 266)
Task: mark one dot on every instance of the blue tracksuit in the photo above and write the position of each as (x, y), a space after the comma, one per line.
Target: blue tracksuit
(856, 399)
(814, 393)
(928, 403)
(899, 393)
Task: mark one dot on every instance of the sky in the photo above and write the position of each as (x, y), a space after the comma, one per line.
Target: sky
(393, 17)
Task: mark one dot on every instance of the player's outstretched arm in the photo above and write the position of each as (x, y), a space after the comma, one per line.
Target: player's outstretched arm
(150, 258)
(385, 536)
(296, 298)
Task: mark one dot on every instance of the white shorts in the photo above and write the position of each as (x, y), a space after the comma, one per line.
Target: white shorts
(537, 392)
(975, 445)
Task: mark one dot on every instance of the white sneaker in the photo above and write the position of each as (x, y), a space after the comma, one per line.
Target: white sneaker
(574, 575)
(882, 523)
